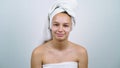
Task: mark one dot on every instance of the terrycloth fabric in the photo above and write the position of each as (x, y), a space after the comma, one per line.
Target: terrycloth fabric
(59, 6)
(63, 6)
(62, 65)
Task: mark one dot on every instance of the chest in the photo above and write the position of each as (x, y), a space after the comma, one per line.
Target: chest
(59, 56)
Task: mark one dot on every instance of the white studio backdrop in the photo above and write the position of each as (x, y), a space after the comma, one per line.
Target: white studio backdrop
(97, 29)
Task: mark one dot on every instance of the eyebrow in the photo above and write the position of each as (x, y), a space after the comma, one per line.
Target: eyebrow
(66, 23)
(58, 22)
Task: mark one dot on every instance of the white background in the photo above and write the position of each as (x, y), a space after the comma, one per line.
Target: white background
(97, 29)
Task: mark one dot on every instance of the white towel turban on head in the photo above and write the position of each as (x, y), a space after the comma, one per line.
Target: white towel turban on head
(59, 6)
(63, 6)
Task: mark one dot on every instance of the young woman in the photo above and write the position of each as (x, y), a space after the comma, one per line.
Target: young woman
(59, 52)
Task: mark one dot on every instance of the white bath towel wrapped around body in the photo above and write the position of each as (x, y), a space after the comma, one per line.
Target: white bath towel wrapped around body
(62, 65)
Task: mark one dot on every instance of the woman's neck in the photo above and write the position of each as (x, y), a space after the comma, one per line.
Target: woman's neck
(60, 45)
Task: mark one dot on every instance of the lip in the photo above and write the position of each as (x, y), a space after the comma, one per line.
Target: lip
(60, 35)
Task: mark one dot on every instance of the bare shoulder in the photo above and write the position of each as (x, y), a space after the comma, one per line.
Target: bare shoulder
(80, 49)
(82, 56)
(37, 56)
(38, 50)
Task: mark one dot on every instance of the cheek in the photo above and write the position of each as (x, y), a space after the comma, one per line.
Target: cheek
(54, 29)
(67, 29)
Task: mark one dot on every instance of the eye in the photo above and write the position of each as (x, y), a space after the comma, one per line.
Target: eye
(55, 24)
(66, 25)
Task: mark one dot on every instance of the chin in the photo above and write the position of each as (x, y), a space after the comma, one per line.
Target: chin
(61, 39)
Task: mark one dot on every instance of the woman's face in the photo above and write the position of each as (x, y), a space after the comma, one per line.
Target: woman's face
(61, 26)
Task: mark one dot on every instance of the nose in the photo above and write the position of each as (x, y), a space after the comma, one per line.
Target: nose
(60, 29)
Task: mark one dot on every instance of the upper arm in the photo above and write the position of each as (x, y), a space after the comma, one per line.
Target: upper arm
(83, 59)
(36, 59)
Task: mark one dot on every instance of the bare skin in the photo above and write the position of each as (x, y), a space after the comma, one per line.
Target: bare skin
(59, 49)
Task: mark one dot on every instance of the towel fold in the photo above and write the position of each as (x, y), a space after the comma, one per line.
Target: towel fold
(62, 65)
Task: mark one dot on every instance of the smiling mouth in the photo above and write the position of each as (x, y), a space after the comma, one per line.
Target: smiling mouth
(60, 35)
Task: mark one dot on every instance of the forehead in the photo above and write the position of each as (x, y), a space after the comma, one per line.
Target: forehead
(61, 18)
